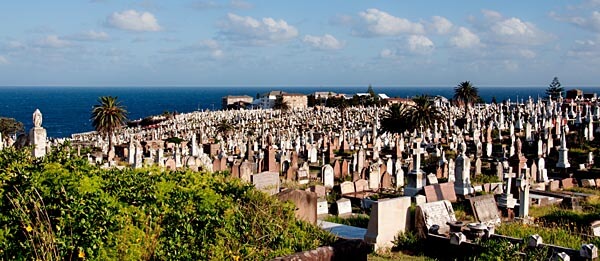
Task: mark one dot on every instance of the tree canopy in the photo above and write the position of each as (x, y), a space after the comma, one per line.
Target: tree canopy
(10, 126)
(555, 89)
(108, 115)
(465, 94)
(402, 117)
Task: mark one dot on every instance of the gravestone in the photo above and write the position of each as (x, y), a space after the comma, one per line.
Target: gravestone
(322, 207)
(246, 171)
(303, 177)
(361, 185)
(553, 185)
(568, 183)
(328, 176)
(374, 176)
(595, 228)
(442, 191)
(344, 169)
(344, 207)
(270, 163)
(267, 182)
(432, 179)
(170, 164)
(388, 218)
(337, 169)
(485, 210)
(347, 187)
(399, 177)
(386, 180)
(305, 202)
(434, 213)
(320, 190)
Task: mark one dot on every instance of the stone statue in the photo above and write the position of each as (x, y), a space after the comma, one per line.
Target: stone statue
(37, 118)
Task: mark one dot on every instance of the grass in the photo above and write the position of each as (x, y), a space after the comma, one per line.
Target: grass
(358, 220)
(557, 235)
(484, 178)
(396, 256)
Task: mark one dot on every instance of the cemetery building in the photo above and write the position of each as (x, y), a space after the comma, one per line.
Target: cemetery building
(230, 100)
(295, 100)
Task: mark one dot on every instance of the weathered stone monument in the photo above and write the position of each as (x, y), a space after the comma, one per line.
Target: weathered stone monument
(37, 135)
(388, 218)
(462, 185)
(416, 177)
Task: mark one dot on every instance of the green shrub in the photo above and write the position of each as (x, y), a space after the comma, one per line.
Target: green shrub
(409, 240)
(139, 214)
(497, 250)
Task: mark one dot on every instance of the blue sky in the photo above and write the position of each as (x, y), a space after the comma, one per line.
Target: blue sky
(299, 43)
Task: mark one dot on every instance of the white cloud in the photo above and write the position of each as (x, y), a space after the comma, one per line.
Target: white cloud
(590, 23)
(325, 42)
(240, 4)
(497, 29)
(491, 15)
(526, 53)
(378, 23)
(132, 20)
(3, 60)
(247, 30)
(464, 39)
(387, 54)
(420, 44)
(210, 46)
(53, 41)
(89, 36)
(209, 43)
(585, 49)
(214, 47)
(440, 25)
(510, 65)
(233, 4)
(514, 30)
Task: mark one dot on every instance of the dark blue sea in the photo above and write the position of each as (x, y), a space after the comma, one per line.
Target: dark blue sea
(66, 110)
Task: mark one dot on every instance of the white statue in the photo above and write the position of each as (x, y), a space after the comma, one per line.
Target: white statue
(37, 118)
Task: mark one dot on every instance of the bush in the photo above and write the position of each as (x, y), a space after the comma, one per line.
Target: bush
(497, 250)
(409, 240)
(139, 214)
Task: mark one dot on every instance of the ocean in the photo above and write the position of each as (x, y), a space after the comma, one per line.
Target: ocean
(66, 110)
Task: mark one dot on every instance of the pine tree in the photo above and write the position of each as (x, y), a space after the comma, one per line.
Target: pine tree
(554, 89)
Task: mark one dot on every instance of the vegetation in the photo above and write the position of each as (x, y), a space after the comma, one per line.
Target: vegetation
(401, 117)
(359, 220)
(465, 94)
(108, 116)
(60, 207)
(281, 105)
(225, 126)
(10, 126)
(555, 90)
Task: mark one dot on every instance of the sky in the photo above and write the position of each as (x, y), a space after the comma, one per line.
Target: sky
(299, 43)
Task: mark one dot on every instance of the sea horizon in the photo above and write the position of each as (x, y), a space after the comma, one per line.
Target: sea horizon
(66, 109)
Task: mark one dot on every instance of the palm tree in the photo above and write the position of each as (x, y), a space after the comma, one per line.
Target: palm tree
(396, 118)
(107, 117)
(281, 105)
(224, 126)
(466, 94)
(402, 117)
(424, 112)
